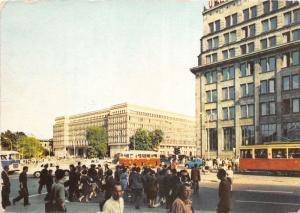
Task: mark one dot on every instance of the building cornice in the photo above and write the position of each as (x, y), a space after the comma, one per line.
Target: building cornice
(284, 47)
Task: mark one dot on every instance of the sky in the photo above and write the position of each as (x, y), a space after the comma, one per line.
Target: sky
(63, 57)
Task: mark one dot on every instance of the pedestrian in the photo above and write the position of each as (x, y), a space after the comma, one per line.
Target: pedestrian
(49, 183)
(224, 192)
(93, 176)
(124, 179)
(57, 196)
(73, 182)
(108, 187)
(136, 185)
(229, 173)
(152, 188)
(183, 204)
(43, 178)
(56, 169)
(116, 203)
(85, 186)
(196, 177)
(5, 187)
(23, 192)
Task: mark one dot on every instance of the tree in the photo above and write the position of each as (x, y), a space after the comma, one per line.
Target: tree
(30, 147)
(156, 138)
(146, 140)
(97, 139)
(9, 139)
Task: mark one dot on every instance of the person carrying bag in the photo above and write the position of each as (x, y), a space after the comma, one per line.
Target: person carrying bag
(56, 203)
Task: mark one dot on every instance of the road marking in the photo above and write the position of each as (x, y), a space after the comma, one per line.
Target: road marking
(264, 191)
(37, 194)
(265, 202)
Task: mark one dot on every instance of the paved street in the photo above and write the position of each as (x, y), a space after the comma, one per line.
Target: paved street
(252, 194)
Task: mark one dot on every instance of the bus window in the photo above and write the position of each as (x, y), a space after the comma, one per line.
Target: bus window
(278, 153)
(261, 153)
(246, 153)
(294, 153)
(148, 155)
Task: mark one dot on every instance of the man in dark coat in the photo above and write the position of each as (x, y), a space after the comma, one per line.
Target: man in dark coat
(224, 192)
(5, 187)
(195, 176)
(23, 193)
(136, 185)
(73, 182)
(43, 178)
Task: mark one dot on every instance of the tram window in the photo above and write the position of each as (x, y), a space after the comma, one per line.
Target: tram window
(139, 155)
(148, 155)
(3, 157)
(154, 156)
(278, 153)
(246, 153)
(261, 153)
(294, 153)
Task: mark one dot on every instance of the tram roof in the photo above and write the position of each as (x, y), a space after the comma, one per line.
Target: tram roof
(139, 152)
(273, 145)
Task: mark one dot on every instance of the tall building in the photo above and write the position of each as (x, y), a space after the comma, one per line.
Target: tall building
(121, 121)
(248, 75)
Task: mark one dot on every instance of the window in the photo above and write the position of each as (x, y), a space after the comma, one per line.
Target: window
(214, 57)
(229, 138)
(244, 111)
(286, 106)
(232, 36)
(250, 110)
(243, 69)
(261, 153)
(232, 112)
(272, 63)
(250, 89)
(247, 111)
(213, 139)
(225, 54)
(211, 27)
(273, 23)
(271, 86)
(225, 114)
(251, 67)
(264, 43)
(232, 52)
(272, 108)
(286, 83)
(288, 3)
(225, 93)
(211, 77)
(264, 65)
(231, 93)
(227, 21)
(287, 37)
(252, 30)
(248, 135)
(265, 26)
(286, 62)
(214, 95)
(245, 32)
(266, 6)
(294, 153)
(295, 81)
(225, 73)
(234, 19)
(231, 72)
(251, 47)
(296, 105)
(226, 38)
(296, 35)
(292, 131)
(297, 16)
(263, 87)
(246, 153)
(274, 5)
(209, 44)
(263, 109)
(217, 25)
(208, 59)
(253, 11)
(272, 41)
(287, 18)
(295, 58)
(243, 49)
(216, 42)
(246, 14)
(243, 90)
(268, 132)
(228, 113)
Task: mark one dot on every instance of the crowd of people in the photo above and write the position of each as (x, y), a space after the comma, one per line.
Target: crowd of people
(163, 186)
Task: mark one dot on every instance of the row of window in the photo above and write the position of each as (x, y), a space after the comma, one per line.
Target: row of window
(247, 68)
(250, 13)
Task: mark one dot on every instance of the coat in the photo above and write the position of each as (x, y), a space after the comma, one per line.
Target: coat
(224, 195)
(195, 174)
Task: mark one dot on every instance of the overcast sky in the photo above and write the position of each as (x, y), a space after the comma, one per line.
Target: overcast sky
(62, 57)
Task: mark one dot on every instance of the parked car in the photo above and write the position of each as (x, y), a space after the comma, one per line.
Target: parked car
(194, 162)
(36, 170)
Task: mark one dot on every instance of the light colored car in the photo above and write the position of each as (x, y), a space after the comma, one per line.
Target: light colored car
(35, 170)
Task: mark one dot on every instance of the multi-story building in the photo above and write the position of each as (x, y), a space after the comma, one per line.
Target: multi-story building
(47, 144)
(121, 121)
(248, 75)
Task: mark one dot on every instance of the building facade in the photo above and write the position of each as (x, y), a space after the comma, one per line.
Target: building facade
(121, 121)
(248, 76)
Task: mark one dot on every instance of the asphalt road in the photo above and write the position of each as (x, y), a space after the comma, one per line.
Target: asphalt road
(252, 194)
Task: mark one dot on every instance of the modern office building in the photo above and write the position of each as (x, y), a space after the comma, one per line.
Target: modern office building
(121, 121)
(248, 75)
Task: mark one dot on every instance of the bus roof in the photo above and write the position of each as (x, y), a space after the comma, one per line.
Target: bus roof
(272, 145)
(6, 152)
